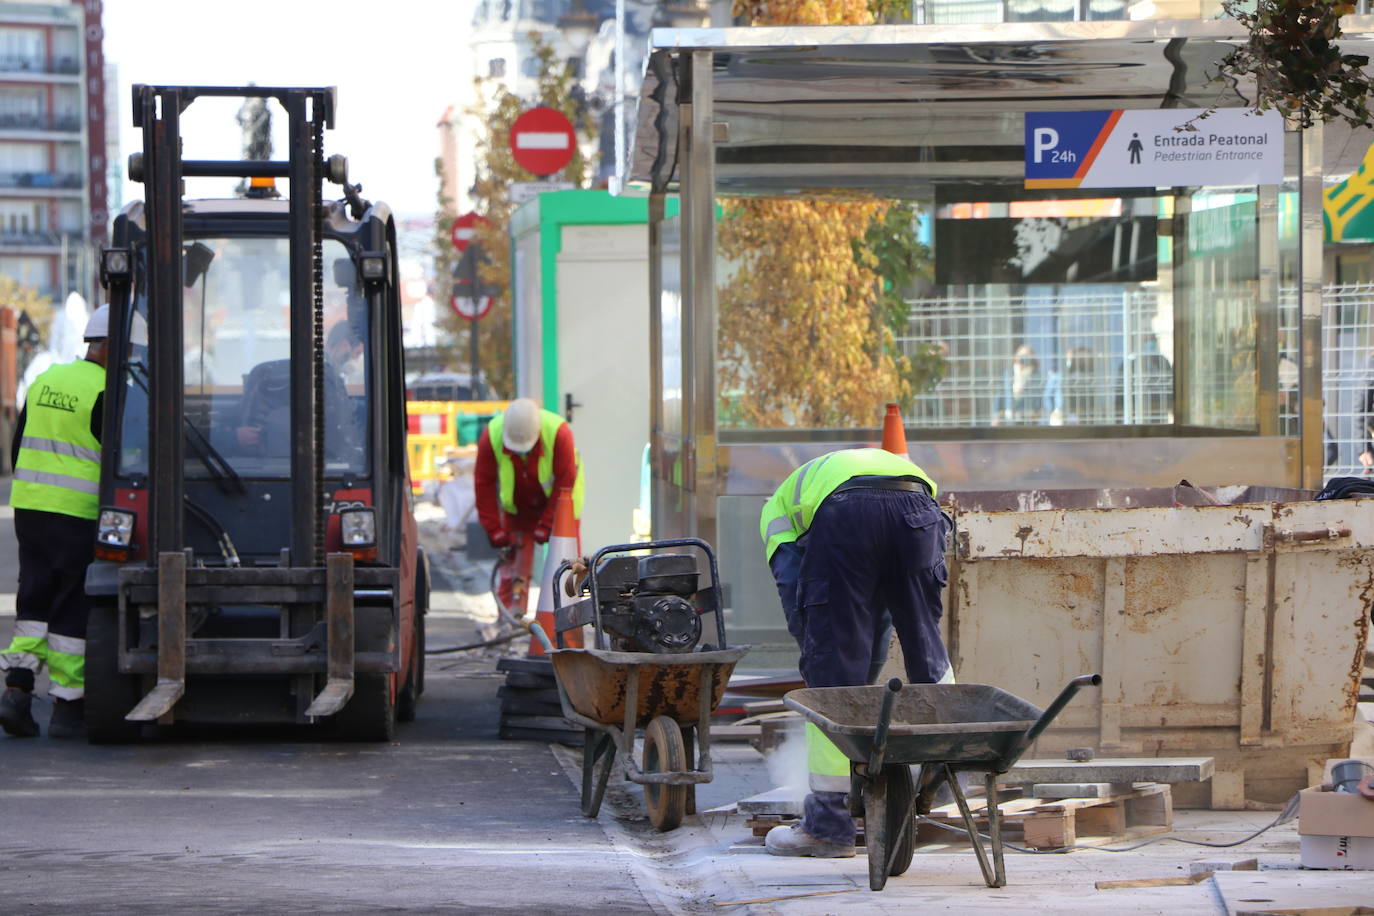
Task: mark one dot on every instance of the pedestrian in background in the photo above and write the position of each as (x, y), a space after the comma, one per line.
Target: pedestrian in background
(856, 544)
(56, 498)
(523, 457)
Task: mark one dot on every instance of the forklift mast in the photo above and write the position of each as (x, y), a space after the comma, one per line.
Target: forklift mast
(157, 110)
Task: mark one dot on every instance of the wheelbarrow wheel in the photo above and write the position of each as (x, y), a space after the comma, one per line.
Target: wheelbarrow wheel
(664, 752)
(900, 795)
(887, 824)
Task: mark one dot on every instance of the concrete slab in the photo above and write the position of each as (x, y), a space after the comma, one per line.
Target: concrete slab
(1269, 891)
(1111, 769)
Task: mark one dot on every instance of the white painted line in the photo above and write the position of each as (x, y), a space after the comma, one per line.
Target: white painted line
(542, 140)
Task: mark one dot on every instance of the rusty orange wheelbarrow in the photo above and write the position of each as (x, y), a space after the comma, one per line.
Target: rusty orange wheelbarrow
(615, 688)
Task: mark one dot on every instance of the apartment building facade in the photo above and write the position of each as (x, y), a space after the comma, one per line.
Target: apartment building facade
(53, 169)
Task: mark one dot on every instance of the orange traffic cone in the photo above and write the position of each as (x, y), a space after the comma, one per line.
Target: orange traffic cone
(894, 432)
(563, 545)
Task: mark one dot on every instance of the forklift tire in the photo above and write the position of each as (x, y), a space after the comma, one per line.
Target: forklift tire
(109, 694)
(409, 696)
(370, 714)
(421, 609)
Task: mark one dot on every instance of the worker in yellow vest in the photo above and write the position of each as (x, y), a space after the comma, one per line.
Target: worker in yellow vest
(856, 544)
(523, 457)
(56, 496)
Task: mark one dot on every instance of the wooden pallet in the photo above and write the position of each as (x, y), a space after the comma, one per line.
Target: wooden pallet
(1052, 824)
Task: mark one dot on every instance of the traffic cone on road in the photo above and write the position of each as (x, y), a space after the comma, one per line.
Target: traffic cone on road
(564, 544)
(894, 432)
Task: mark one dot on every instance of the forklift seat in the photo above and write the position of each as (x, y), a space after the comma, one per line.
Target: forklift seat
(267, 405)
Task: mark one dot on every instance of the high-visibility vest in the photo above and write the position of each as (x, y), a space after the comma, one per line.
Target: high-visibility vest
(788, 513)
(549, 424)
(59, 459)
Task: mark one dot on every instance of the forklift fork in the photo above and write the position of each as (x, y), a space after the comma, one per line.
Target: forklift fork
(171, 641)
(172, 636)
(338, 685)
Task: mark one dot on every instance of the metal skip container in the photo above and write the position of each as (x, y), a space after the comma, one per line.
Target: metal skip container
(1227, 622)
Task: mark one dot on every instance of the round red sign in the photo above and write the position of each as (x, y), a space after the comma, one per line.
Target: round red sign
(542, 140)
(464, 230)
(470, 308)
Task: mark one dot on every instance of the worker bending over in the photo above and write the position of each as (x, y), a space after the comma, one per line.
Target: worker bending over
(523, 456)
(56, 496)
(857, 548)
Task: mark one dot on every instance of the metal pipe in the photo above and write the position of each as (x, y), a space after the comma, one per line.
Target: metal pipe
(235, 168)
(875, 760)
(1046, 717)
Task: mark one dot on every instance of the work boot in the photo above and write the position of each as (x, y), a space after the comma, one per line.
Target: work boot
(68, 719)
(794, 841)
(16, 713)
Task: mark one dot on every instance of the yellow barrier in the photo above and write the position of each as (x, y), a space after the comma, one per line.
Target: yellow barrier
(432, 428)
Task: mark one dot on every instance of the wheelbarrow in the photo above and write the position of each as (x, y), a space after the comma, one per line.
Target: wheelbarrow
(614, 693)
(947, 729)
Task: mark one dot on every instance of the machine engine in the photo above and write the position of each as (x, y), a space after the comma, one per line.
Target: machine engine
(645, 602)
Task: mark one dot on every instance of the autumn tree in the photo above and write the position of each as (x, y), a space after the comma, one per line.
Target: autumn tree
(28, 300)
(496, 169)
(814, 289)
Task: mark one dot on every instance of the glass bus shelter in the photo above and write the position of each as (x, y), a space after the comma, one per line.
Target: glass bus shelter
(856, 228)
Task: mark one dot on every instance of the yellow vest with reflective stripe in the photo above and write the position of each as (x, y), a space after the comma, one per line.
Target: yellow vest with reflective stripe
(59, 459)
(549, 424)
(787, 514)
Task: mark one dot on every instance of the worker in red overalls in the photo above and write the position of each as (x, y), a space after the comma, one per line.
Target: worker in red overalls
(523, 456)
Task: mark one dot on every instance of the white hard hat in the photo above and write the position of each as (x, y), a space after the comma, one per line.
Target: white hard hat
(98, 328)
(521, 428)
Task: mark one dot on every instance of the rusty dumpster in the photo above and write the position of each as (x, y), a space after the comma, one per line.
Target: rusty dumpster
(1226, 621)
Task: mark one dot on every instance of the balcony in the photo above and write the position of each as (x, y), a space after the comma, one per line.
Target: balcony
(42, 180)
(37, 239)
(57, 66)
(40, 122)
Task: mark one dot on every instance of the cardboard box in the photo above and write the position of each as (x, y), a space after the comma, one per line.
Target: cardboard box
(1336, 829)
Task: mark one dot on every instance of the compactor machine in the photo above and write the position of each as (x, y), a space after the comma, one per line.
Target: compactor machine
(257, 560)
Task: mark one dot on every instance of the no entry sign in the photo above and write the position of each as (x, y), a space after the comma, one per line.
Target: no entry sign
(464, 230)
(542, 140)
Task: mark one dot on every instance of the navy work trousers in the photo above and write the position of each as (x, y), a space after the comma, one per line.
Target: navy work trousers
(871, 558)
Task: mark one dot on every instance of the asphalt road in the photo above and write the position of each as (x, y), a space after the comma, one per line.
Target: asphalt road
(445, 819)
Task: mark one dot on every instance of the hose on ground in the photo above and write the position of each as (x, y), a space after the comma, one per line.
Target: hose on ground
(1289, 812)
(521, 629)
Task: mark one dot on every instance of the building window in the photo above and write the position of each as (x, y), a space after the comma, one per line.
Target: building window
(530, 66)
(496, 67)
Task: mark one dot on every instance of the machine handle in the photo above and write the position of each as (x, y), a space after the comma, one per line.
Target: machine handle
(875, 760)
(1046, 717)
(537, 631)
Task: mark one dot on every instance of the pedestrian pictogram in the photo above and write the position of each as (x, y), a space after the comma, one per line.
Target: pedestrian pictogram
(1134, 148)
(542, 140)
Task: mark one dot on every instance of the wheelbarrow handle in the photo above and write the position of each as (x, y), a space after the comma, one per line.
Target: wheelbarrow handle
(875, 759)
(1046, 717)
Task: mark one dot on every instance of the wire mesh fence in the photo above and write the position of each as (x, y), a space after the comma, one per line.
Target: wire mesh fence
(1102, 356)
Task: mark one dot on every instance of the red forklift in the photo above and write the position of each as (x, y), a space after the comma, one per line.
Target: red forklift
(257, 561)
